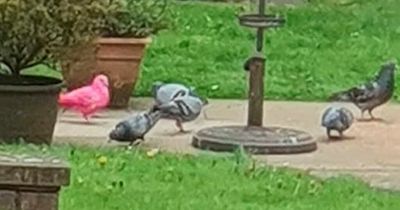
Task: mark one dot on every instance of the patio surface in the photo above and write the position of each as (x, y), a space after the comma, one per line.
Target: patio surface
(371, 152)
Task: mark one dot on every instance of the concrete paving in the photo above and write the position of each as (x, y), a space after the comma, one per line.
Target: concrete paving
(371, 150)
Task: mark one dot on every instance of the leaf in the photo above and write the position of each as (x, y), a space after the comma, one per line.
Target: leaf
(215, 87)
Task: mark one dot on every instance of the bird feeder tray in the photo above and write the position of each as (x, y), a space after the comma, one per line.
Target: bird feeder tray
(261, 21)
(255, 140)
(254, 137)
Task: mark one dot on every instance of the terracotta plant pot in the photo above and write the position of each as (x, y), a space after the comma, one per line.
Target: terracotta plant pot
(79, 65)
(118, 58)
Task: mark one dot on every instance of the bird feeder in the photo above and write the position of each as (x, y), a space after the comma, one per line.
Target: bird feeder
(254, 137)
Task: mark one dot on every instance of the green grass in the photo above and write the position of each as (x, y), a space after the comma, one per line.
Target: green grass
(322, 48)
(132, 180)
(325, 46)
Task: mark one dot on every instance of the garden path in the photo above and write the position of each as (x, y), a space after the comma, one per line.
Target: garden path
(372, 155)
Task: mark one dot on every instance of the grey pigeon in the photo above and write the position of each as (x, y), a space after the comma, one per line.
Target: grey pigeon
(165, 92)
(181, 109)
(372, 94)
(135, 127)
(337, 118)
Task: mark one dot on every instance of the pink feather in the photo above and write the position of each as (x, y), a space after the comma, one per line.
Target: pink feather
(88, 99)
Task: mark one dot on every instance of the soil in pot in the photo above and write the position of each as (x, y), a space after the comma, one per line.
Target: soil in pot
(28, 108)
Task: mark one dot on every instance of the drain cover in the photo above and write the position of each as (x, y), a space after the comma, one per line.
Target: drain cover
(256, 140)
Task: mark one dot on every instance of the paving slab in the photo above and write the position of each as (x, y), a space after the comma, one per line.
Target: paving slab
(370, 152)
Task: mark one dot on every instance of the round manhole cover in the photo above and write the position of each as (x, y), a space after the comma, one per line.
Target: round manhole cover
(256, 140)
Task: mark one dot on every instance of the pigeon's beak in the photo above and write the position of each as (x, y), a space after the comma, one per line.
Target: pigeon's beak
(113, 135)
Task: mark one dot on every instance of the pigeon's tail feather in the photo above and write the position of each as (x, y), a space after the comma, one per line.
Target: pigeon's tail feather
(155, 114)
(163, 107)
(66, 100)
(343, 96)
(155, 108)
(204, 100)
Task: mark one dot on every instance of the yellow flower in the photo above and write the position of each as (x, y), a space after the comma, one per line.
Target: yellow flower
(102, 160)
(152, 153)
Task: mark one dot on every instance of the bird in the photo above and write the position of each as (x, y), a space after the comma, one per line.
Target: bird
(181, 109)
(165, 92)
(135, 127)
(337, 118)
(88, 99)
(372, 94)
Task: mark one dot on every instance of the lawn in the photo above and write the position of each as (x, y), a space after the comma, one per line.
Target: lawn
(133, 180)
(324, 47)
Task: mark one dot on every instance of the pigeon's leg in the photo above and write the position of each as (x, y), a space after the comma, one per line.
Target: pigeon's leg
(371, 115)
(86, 118)
(205, 115)
(135, 143)
(341, 134)
(328, 133)
(362, 119)
(178, 124)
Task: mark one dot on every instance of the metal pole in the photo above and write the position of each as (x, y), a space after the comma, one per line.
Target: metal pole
(256, 92)
(256, 83)
(260, 31)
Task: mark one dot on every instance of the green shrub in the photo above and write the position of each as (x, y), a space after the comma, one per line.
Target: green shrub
(136, 18)
(35, 31)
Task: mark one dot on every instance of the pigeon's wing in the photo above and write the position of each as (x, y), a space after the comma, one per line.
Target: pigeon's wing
(195, 104)
(365, 93)
(169, 92)
(138, 125)
(329, 115)
(171, 108)
(326, 113)
(84, 96)
(347, 116)
(186, 108)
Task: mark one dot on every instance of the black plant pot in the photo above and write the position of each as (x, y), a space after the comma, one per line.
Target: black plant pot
(28, 108)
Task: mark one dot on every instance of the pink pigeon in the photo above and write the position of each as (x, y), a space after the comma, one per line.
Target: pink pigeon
(88, 99)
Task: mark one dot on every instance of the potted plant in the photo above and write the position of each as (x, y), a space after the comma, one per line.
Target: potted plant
(119, 50)
(35, 32)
